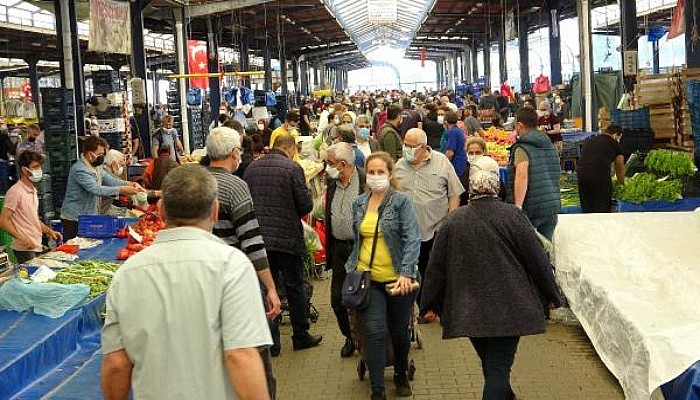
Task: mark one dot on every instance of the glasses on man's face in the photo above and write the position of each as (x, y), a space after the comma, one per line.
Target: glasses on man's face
(417, 146)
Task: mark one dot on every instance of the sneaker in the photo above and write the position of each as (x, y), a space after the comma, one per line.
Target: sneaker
(378, 394)
(275, 351)
(403, 387)
(348, 348)
(308, 342)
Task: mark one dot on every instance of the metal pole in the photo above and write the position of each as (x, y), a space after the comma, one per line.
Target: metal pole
(77, 65)
(245, 59)
(213, 67)
(555, 42)
(628, 25)
(59, 41)
(34, 83)
(487, 61)
(655, 56)
(502, 62)
(524, 50)
(267, 62)
(584, 20)
(181, 53)
(138, 64)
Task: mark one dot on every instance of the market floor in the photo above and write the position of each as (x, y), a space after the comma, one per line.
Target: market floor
(561, 364)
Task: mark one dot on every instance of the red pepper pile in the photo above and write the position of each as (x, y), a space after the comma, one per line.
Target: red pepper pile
(147, 226)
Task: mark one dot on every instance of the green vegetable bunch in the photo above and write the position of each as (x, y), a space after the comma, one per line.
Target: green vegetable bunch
(569, 193)
(96, 274)
(646, 187)
(668, 162)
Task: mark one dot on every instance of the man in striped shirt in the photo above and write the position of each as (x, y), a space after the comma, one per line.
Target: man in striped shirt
(237, 224)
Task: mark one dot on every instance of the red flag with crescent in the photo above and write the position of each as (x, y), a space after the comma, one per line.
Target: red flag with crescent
(198, 63)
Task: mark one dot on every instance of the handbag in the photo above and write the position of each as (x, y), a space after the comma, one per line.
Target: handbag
(357, 285)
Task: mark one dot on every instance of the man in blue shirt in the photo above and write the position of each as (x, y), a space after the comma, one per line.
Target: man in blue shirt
(454, 150)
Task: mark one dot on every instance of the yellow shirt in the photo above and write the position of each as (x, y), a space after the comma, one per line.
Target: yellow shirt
(281, 132)
(382, 268)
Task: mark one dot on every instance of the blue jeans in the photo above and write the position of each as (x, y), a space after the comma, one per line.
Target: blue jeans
(384, 314)
(497, 355)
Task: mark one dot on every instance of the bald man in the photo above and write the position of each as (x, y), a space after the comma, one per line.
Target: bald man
(430, 180)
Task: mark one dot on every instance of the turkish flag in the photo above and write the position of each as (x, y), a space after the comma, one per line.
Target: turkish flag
(678, 21)
(198, 63)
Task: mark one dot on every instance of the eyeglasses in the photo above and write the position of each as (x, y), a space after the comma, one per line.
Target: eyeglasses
(413, 147)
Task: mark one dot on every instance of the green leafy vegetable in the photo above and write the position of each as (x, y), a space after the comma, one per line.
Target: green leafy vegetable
(646, 187)
(668, 162)
(96, 274)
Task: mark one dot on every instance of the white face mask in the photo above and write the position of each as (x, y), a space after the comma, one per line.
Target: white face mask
(35, 175)
(441, 119)
(378, 183)
(333, 173)
(119, 171)
(409, 153)
(261, 127)
(94, 132)
(473, 158)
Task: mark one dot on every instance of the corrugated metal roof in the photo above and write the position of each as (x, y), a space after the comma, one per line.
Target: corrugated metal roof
(397, 30)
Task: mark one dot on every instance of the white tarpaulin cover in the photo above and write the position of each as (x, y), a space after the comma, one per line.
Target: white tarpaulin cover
(633, 280)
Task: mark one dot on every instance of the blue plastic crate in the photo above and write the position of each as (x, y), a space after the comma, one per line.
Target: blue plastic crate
(97, 226)
(632, 119)
(123, 222)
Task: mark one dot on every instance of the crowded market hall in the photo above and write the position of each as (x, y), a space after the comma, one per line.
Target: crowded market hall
(349, 199)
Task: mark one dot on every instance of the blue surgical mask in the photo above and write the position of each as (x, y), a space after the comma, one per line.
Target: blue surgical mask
(409, 153)
(363, 133)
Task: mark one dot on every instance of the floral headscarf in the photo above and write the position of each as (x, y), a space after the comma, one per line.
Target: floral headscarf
(483, 178)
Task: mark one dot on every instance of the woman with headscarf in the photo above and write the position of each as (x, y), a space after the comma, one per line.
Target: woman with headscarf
(497, 288)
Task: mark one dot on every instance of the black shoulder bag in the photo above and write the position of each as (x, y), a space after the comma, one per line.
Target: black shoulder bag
(357, 286)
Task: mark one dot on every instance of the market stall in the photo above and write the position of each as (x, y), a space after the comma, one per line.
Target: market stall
(635, 295)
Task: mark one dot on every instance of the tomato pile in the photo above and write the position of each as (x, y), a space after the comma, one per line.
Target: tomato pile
(148, 227)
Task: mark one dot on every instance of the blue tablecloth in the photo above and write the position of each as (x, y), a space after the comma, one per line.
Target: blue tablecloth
(107, 251)
(689, 204)
(686, 386)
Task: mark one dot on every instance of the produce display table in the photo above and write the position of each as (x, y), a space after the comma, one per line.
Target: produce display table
(37, 353)
(636, 297)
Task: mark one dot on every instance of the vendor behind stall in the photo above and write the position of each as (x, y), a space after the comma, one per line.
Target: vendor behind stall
(20, 214)
(153, 175)
(597, 155)
(114, 166)
(87, 183)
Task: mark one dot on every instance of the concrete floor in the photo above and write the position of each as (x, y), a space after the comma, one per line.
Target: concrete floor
(560, 364)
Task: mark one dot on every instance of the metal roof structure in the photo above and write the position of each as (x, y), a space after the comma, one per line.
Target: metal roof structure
(375, 23)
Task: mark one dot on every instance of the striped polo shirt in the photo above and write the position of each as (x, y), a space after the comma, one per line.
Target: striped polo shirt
(237, 224)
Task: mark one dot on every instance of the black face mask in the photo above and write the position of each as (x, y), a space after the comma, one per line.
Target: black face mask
(98, 161)
(31, 139)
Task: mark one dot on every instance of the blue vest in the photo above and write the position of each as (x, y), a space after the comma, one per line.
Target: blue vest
(543, 198)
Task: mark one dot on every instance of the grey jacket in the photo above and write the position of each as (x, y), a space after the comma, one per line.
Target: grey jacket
(488, 274)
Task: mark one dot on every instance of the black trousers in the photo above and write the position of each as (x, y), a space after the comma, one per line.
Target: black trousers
(423, 258)
(497, 355)
(70, 229)
(341, 252)
(595, 193)
(291, 268)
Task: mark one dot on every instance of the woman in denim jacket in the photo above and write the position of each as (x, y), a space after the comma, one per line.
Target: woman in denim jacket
(394, 261)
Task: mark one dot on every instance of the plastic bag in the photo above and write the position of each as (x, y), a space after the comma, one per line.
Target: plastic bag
(313, 243)
(47, 299)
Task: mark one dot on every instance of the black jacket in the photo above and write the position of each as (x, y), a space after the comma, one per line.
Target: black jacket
(330, 194)
(488, 273)
(281, 198)
(434, 131)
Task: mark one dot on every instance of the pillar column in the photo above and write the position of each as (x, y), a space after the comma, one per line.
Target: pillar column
(34, 83)
(245, 59)
(487, 61)
(583, 8)
(437, 74)
(181, 56)
(457, 74)
(467, 64)
(283, 73)
(628, 24)
(58, 13)
(267, 65)
(502, 62)
(475, 61)
(524, 50)
(138, 68)
(304, 78)
(213, 67)
(78, 76)
(656, 62)
(554, 41)
(692, 42)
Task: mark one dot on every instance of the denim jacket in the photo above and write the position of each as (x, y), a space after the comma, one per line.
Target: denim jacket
(83, 191)
(400, 230)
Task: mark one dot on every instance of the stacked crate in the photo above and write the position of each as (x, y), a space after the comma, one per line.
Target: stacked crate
(60, 140)
(661, 94)
(686, 134)
(111, 120)
(174, 104)
(197, 128)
